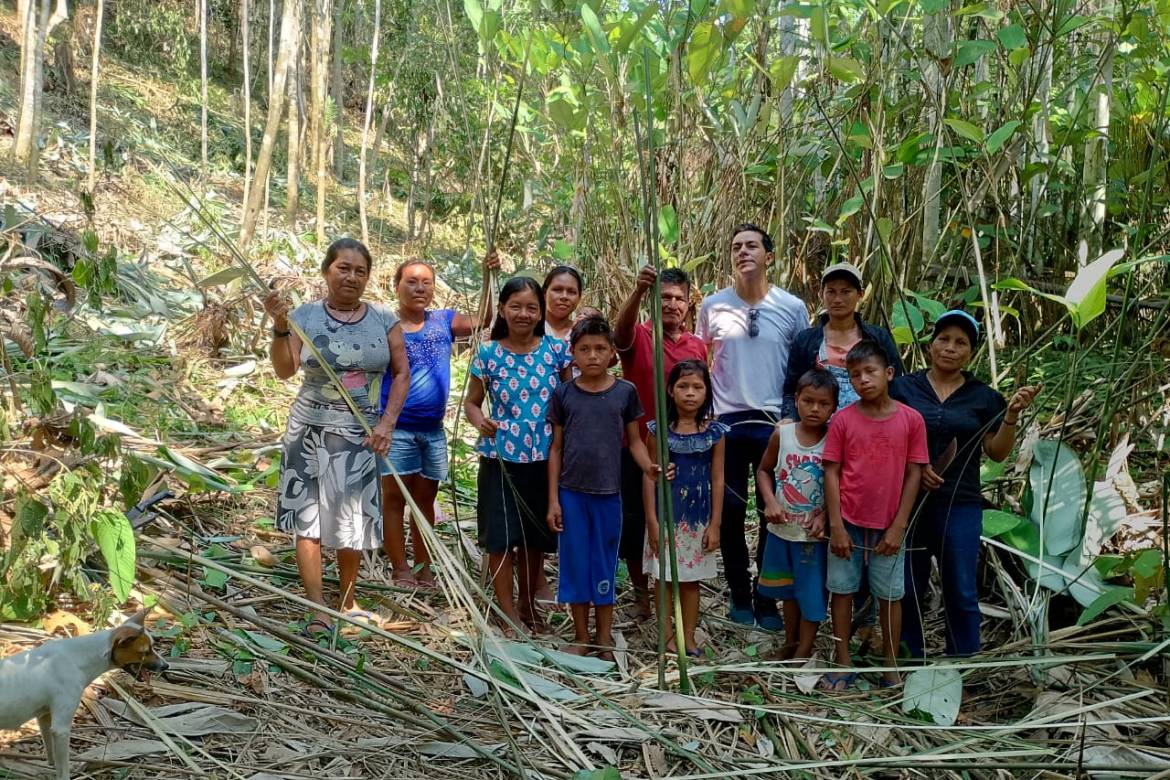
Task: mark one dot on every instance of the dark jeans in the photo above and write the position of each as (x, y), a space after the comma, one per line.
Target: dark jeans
(950, 534)
(746, 442)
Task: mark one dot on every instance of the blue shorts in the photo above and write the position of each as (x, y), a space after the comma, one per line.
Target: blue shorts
(796, 570)
(417, 452)
(887, 573)
(588, 547)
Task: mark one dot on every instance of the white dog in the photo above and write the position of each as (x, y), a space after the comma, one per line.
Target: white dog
(47, 682)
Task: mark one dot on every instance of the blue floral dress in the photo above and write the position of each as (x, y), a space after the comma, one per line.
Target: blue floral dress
(690, 494)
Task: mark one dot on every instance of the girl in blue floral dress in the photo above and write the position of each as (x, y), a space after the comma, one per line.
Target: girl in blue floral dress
(696, 448)
(516, 372)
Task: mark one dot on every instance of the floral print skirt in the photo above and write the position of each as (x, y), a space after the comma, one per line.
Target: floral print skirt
(329, 484)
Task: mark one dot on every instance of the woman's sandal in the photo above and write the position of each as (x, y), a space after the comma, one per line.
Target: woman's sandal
(308, 633)
(837, 682)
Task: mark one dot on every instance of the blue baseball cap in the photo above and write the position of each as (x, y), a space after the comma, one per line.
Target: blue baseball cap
(959, 319)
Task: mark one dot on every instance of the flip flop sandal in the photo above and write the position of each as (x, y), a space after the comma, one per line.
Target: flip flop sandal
(363, 615)
(308, 633)
(837, 682)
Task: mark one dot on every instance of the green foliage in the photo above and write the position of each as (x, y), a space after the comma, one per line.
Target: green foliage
(151, 33)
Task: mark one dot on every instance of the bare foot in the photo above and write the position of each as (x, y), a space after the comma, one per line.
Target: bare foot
(640, 611)
(545, 593)
(535, 621)
(576, 649)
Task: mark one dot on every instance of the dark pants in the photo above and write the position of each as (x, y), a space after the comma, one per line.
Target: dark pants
(950, 534)
(746, 442)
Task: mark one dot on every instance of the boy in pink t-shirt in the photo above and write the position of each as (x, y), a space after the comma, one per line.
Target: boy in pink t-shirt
(873, 462)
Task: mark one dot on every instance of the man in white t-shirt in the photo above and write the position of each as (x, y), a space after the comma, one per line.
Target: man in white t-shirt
(748, 329)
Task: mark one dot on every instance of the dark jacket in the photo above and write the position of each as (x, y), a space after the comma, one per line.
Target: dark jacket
(802, 356)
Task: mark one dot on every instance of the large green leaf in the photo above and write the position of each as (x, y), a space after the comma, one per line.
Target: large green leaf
(667, 224)
(1012, 37)
(997, 522)
(1110, 598)
(1086, 294)
(846, 69)
(964, 128)
(907, 315)
(474, 13)
(703, 51)
(936, 692)
(629, 31)
(593, 26)
(781, 71)
(1057, 511)
(970, 52)
(115, 539)
(1001, 135)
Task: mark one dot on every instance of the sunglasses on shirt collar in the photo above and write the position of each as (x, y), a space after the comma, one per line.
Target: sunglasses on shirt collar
(753, 323)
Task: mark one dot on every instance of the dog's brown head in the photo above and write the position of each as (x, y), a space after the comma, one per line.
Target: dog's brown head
(133, 649)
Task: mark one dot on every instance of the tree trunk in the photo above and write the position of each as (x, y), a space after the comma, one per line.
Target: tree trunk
(293, 198)
(91, 181)
(366, 126)
(338, 91)
(936, 37)
(319, 61)
(37, 23)
(246, 37)
(1097, 162)
(202, 8)
(289, 32)
(1038, 186)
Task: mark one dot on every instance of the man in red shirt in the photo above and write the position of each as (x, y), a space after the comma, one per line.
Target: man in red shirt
(635, 344)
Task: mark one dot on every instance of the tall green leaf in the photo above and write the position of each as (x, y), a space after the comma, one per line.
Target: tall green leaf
(964, 128)
(703, 51)
(115, 539)
(1086, 294)
(1058, 490)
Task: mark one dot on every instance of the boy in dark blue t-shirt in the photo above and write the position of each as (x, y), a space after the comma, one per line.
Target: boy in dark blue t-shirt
(590, 416)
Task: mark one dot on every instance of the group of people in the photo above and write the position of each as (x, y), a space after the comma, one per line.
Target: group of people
(863, 474)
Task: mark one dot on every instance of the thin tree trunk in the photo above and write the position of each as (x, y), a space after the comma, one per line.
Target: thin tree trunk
(271, 24)
(91, 181)
(1097, 161)
(1038, 186)
(289, 31)
(293, 199)
(245, 34)
(936, 37)
(338, 91)
(366, 125)
(319, 45)
(202, 8)
(36, 30)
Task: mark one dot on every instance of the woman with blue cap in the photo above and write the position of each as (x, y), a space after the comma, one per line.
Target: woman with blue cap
(965, 419)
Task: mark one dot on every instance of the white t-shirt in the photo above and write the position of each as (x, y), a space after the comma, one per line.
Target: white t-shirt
(748, 373)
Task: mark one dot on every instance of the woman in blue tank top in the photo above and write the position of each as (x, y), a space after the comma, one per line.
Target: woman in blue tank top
(418, 449)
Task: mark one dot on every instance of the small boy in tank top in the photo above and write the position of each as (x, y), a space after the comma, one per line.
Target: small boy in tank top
(792, 484)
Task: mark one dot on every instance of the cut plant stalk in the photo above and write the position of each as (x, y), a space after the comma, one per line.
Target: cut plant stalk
(666, 530)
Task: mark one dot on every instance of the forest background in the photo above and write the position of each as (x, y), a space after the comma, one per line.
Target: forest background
(1010, 158)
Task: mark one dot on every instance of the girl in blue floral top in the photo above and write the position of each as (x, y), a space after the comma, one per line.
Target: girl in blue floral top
(696, 449)
(516, 371)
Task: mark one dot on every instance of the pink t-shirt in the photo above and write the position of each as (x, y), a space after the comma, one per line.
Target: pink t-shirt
(873, 455)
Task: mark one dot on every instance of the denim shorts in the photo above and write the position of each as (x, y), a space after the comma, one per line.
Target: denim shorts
(418, 452)
(887, 573)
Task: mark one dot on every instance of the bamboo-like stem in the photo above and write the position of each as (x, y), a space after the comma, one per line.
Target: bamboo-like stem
(665, 508)
(91, 176)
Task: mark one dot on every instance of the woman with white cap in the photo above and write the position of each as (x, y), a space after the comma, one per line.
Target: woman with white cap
(965, 419)
(840, 327)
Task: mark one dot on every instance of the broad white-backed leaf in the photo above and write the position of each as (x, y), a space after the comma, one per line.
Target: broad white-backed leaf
(1086, 294)
(937, 691)
(1057, 511)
